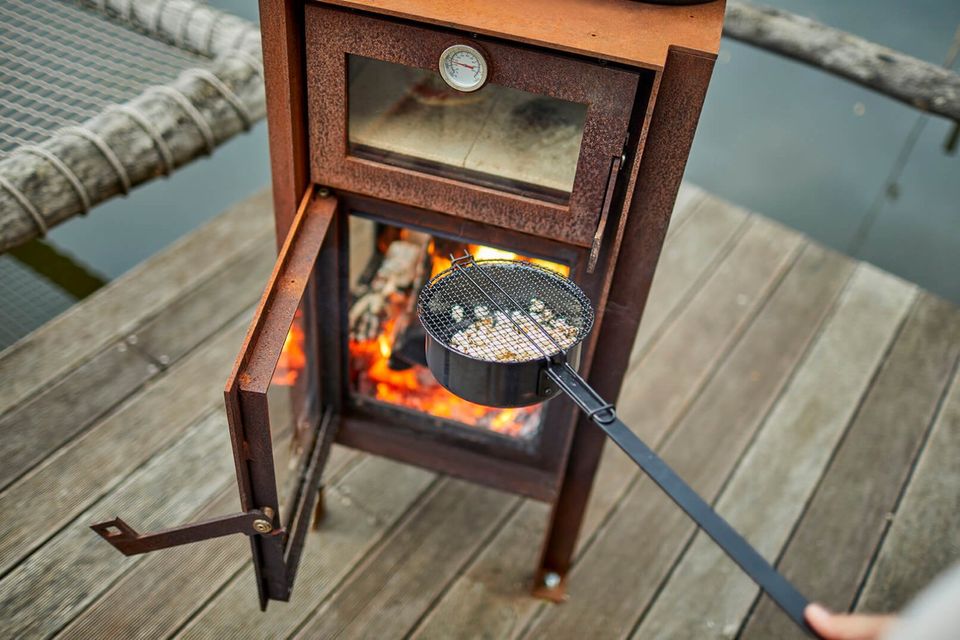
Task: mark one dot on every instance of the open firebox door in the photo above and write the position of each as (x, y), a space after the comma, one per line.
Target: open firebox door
(282, 419)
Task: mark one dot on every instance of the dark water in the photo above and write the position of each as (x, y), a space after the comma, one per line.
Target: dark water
(776, 137)
(816, 153)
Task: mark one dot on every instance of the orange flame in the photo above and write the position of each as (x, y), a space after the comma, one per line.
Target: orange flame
(293, 359)
(416, 388)
(481, 252)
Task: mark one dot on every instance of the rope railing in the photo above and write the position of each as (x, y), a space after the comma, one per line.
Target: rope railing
(163, 128)
(923, 85)
(188, 24)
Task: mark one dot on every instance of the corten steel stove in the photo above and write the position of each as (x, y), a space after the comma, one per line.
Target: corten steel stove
(402, 131)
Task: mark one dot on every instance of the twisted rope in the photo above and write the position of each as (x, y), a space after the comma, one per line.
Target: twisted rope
(166, 156)
(107, 153)
(25, 204)
(66, 171)
(207, 76)
(209, 139)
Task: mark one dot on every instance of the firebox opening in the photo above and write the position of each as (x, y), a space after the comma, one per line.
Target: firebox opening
(388, 266)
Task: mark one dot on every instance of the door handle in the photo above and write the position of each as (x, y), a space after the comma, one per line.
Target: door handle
(604, 214)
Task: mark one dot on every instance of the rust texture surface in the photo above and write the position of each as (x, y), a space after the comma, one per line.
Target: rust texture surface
(331, 34)
(671, 50)
(246, 390)
(626, 31)
(281, 26)
(674, 120)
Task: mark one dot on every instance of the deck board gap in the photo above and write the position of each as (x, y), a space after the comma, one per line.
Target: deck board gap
(470, 559)
(952, 380)
(689, 294)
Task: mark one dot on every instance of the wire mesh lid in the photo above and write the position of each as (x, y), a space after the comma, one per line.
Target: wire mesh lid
(504, 310)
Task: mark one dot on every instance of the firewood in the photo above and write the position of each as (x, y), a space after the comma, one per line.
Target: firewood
(402, 263)
(918, 83)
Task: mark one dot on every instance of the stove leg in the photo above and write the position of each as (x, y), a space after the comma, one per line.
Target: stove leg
(320, 510)
(568, 511)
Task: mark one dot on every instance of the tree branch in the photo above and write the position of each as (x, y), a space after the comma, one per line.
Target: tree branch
(921, 84)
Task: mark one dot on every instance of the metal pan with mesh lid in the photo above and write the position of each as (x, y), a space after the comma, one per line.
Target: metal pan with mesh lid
(506, 333)
(490, 324)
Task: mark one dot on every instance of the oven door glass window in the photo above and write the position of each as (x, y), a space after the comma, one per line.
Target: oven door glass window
(497, 136)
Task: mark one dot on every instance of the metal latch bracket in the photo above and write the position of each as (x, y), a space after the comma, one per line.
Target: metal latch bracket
(130, 543)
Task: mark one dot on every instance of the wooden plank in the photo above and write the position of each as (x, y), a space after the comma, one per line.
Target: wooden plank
(491, 593)
(361, 510)
(69, 406)
(131, 607)
(828, 555)
(688, 254)
(922, 540)
(74, 477)
(688, 197)
(82, 590)
(178, 573)
(184, 577)
(648, 532)
(90, 326)
(397, 584)
(41, 594)
(721, 308)
(706, 595)
(49, 419)
(202, 311)
(492, 598)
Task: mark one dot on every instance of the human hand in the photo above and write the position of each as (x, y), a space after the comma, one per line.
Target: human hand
(847, 626)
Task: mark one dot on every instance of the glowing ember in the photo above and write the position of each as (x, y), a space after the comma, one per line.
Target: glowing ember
(480, 252)
(415, 387)
(292, 357)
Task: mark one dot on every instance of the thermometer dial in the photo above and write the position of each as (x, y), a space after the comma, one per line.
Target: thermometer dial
(463, 67)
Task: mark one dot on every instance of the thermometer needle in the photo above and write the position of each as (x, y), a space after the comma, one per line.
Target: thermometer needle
(468, 66)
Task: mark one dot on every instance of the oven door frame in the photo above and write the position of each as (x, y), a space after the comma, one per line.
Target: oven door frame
(311, 247)
(608, 91)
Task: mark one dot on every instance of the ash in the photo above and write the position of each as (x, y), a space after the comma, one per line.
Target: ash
(518, 338)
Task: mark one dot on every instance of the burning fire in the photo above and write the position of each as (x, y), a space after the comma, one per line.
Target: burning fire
(415, 387)
(480, 252)
(293, 359)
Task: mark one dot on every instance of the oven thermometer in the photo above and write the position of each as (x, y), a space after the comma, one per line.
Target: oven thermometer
(463, 68)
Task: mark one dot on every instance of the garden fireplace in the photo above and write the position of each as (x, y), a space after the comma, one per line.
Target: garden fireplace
(402, 132)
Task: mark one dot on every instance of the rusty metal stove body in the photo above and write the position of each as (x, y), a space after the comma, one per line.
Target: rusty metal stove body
(622, 80)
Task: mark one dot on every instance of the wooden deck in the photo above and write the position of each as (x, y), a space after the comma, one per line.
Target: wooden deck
(814, 399)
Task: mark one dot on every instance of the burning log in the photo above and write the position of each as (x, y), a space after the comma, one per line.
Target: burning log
(388, 362)
(408, 336)
(404, 260)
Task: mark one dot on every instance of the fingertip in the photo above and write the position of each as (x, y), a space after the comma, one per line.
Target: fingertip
(816, 613)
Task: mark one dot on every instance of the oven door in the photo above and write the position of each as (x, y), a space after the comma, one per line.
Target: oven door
(532, 150)
(282, 417)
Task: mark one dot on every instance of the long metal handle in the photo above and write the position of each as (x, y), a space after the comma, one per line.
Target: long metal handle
(733, 544)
